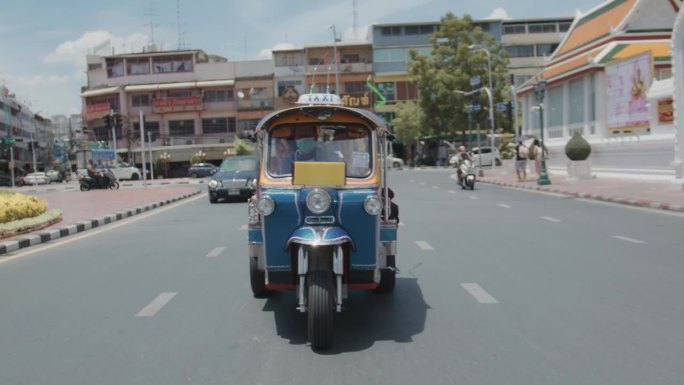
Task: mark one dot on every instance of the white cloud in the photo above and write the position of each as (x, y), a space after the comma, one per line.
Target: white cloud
(42, 81)
(499, 13)
(75, 51)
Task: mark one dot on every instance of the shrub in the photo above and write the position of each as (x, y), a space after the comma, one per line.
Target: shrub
(15, 206)
(577, 147)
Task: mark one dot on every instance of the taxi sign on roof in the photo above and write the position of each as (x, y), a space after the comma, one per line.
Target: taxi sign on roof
(323, 99)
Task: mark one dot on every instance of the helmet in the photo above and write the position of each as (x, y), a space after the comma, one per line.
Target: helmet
(461, 149)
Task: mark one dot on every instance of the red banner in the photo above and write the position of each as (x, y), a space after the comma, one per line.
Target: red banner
(188, 103)
(97, 110)
(665, 111)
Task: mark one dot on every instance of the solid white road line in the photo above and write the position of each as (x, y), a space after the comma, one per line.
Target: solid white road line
(504, 206)
(424, 245)
(550, 219)
(156, 305)
(479, 293)
(628, 239)
(473, 197)
(216, 252)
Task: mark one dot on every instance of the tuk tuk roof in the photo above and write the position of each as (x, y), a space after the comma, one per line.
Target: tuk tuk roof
(374, 121)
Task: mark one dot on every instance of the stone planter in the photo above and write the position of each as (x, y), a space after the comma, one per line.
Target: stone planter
(579, 169)
(508, 165)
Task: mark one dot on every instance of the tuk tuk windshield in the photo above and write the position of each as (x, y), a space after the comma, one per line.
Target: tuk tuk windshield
(348, 143)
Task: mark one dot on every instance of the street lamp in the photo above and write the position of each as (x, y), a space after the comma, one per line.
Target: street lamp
(489, 91)
(539, 91)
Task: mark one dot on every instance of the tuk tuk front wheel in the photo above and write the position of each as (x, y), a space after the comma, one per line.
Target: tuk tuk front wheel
(321, 300)
(387, 277)
(257, 279)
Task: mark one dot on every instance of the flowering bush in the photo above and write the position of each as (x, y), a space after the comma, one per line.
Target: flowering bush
(15, 206)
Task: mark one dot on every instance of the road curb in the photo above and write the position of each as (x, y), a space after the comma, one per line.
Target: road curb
(612, 199)
(78, 227)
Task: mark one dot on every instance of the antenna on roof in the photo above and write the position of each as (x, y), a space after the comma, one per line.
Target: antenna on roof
(151, 13)
(356, 19)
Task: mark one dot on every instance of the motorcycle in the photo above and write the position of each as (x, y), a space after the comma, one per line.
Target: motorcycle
(107, 182)
(466, 174)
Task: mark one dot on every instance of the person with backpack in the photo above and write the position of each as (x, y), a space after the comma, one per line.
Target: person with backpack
(521, 153)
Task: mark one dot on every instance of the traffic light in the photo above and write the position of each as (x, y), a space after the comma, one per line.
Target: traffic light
(108, 121)
(117, 120)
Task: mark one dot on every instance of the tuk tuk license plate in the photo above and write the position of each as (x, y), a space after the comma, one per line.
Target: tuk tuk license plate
(234, 191)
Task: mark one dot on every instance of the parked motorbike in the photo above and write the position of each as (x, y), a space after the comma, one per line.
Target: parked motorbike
(466, 174)
(106, 182)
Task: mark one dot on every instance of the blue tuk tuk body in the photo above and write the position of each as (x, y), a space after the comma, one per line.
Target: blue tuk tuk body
(324, 223)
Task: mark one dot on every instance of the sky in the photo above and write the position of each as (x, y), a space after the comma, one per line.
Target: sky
(44, 43)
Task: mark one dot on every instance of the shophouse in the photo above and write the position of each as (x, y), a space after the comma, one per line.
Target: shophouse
(187, 100)
(596, 81)
(254, 88)
(289, 76)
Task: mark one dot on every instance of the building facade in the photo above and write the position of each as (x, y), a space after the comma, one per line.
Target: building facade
(596, 81)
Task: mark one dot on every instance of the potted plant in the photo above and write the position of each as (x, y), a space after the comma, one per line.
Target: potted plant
(578, 150)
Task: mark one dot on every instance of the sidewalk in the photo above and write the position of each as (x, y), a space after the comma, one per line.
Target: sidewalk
(628, 189)
(83, 211)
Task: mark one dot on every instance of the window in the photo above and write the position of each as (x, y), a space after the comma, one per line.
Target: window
(546, 49)
(172, 64)
(592, 97)
(138, 66)
(211, 96)
(520, 50)
(289, 59)
(215, 125)
(427, 29)
(387, 89)
(484, 26)
(425, 51)
(350, 58)
(314, 61)
(115, 67)
(389, 55)
(181, 127)
(576, 101)
(94, 66)
(355, 87)
(179, 94)
(511, 29)
(412, 30)
(564, 26)
(542, 28)
(285, 84)
(390, 31)
(151, 127)
(247, 124)
(555, 106)
(141, 100)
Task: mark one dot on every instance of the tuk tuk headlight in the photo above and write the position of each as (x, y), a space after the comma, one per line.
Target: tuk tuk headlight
(213, 183)
(318, 201)
(265, 205)
(373, 205)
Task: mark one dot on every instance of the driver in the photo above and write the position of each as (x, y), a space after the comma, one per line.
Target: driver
(461, 156)
(305, 141)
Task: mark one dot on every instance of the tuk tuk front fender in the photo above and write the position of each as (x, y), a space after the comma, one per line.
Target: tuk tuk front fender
(320, 236)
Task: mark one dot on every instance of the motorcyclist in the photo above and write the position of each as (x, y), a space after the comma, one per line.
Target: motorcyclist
(461, 156)
(93, 173)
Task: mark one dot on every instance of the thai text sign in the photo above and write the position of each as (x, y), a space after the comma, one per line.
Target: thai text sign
(665, 111)
(627, 82)
(187, 103)
(356, 100)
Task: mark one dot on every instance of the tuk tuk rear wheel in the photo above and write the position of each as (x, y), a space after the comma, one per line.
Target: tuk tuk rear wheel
(321, 300)
(257, 279)
(387, 277)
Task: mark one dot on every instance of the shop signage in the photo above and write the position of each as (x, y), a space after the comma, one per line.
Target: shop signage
(187, 103)
(97, 110)
(665, 111)
(356, 100)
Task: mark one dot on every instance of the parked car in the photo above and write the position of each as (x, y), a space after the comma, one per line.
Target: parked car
(199, 170)
(395, 162)
(488, 154)
(54, 176)
(36, 178)
(236, 178)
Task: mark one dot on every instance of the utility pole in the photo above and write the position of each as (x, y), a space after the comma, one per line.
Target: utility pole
(142, 147)
(337, 71)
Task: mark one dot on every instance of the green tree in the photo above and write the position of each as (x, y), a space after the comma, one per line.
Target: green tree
(241, 147)
(450, 67)
(408, 124)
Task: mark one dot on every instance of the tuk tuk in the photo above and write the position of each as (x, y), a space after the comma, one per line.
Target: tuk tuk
(322, 220)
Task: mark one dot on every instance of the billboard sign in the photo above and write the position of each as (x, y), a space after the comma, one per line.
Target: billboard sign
(627, 82)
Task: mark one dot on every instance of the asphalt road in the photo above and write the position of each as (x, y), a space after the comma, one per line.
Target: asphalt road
(497, 286)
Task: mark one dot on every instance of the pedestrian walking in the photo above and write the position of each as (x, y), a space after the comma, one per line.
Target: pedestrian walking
(536, 150)
(521, 161)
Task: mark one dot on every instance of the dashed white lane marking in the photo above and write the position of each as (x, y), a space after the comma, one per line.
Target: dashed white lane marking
(402, 224)
(215, 252)
(550, 219)
(424, 245)
(504, 206)
(479, 293)
(422, 183)
(628, 239)
(452, 192)
(243, 227)
(156, 305)
(435, 187)
(473, 197)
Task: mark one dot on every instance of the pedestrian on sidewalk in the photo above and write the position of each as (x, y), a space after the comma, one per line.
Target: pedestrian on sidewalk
(520, 163)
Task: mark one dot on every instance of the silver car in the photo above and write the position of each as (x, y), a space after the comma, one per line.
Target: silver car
(36, 178)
